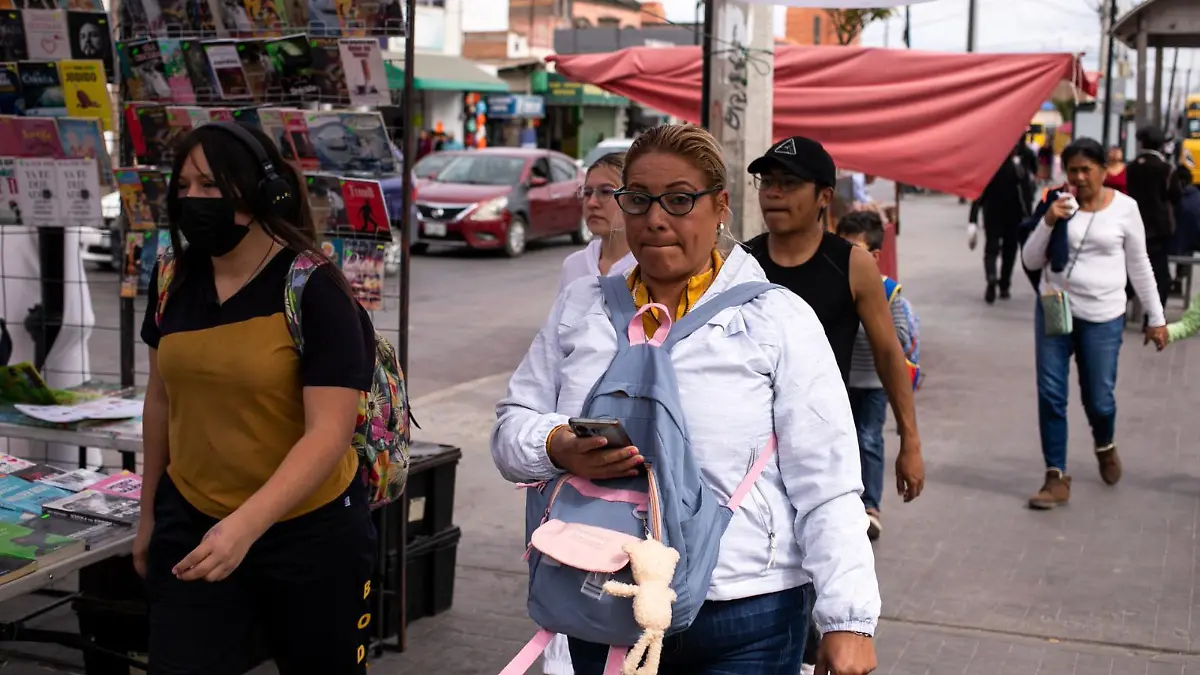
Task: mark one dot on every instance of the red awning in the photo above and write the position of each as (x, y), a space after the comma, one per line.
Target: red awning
(937, 120)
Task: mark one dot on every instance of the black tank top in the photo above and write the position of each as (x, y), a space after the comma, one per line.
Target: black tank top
(824, 283)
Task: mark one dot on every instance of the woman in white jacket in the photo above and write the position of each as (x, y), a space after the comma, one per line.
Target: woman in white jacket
(759, 369)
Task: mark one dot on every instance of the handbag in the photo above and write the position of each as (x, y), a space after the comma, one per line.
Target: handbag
(1056, 303)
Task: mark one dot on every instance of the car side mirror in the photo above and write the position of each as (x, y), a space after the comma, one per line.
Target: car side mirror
(538, 181)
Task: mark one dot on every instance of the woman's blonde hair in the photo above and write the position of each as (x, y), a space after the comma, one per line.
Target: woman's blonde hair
(690, 142)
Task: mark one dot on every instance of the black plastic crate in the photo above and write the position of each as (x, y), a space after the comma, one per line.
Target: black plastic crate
(431, 570)
(429, 494)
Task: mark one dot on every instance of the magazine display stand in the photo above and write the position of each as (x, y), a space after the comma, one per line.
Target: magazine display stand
(294, 68)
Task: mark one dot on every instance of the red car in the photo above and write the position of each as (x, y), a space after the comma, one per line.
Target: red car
(501, 198)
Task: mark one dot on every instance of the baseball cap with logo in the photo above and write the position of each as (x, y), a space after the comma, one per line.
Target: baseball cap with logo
(801, 157)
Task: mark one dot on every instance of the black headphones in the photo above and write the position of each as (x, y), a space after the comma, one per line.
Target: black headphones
(274, 193)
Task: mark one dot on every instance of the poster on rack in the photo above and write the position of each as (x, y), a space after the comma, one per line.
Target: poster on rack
(366, 80)
(10, 209)
(83, 138)
(226, 65)
(362, 263)
(91, 39)
(41, 89)
(12, 37)
(366, 211)
(79, 192)
(46, 34)
(85, 91)
(38, 197)
(11, 101)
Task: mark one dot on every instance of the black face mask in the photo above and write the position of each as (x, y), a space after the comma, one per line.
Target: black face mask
(209, 225)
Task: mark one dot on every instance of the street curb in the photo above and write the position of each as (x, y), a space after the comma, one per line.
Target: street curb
(462, 387)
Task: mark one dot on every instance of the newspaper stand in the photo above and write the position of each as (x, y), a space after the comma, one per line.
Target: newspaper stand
(393, 586)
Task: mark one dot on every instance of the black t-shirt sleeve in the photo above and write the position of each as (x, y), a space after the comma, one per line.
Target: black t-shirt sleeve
(339, 341)
(151, 334)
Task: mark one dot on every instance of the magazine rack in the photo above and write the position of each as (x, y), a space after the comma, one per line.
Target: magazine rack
(388, 21)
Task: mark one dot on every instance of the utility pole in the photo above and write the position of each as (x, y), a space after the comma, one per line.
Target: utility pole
(971, 25)
(706, 49)
(1169, 115)
(1108, 70)
(908, 26)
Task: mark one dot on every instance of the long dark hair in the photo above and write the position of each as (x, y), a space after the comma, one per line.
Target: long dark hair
(236, 171)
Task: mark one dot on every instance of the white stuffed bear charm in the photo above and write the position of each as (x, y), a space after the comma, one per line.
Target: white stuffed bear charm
(653, 567)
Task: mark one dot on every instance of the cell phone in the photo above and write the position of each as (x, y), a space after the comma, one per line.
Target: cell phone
(608, 429)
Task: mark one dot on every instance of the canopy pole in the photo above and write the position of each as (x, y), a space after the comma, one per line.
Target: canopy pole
(706, 48)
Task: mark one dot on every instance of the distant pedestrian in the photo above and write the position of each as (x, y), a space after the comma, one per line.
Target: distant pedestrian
(1084, 258)
(1149, 184)
(1115, 177)
(1006, 202)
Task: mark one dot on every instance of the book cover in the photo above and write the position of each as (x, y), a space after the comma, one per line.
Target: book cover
(41, 89)
(85, 90)
(132, 18)
(154, 128)
(367, 137)
(79, 192)
(385, 17)
(10, 207)
(84, 138)
(332, 249)
(220, 114)
(133, 200)
(202, 17)
(151, 249)
(179, 125)
(12, 569)
(234, 17)
(125, 484)
(329, 140)
(21, 495)
(37, 472)
(12, 102)
(154, 187)
(266, 15)
(365, 208)
(362, 263)
(155, 24)
(39, 200)
(10, 464)
(12, 36)
(295, 15)
(270, 120)
(146, 63)
(73, 481)
(291, 74)
(326, 202)
(131, 272)
(135, 127)
(303, 149)
(362, 64)
(198, 115)
(227, 70)
(323, 18)
(199, 74)
(97, 507)
(247, 117)
(257, 67)
(90, 36)
(26, 543)
(89, 534)
(175, 69)
(329, 75)
(46, 34)
(38, 137)
(169, 17)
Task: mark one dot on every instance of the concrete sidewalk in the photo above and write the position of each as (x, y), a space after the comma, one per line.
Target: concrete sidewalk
(973, 582)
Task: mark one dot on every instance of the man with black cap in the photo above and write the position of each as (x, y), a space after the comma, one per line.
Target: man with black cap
(1148, 180)
(841, 282)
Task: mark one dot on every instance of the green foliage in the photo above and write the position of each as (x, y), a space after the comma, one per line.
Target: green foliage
(850, 23)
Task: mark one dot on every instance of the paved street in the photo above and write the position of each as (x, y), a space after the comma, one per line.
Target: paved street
(973, 582)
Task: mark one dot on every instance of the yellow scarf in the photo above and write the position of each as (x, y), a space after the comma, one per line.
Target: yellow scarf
(696, 288)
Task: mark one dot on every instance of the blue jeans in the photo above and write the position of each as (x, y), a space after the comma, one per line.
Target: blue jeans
(870, 412)
(1096, 347)
(761, 635)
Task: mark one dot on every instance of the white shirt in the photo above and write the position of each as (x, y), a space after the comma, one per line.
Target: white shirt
(764, 367)
(586, 263)
(1114, 252)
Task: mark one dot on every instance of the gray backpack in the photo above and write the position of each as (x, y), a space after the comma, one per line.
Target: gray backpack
(576, 527)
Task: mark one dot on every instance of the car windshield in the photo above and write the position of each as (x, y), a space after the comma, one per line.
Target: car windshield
(432, 165)
(478, 169)
(605, 149)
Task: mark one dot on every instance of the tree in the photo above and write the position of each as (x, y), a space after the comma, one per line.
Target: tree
(848, 24)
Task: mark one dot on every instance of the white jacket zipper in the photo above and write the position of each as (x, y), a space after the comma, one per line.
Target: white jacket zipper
(764, 514)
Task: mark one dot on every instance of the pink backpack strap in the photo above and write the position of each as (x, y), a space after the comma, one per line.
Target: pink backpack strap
(743, 489)
(529, 654)
(637, 331)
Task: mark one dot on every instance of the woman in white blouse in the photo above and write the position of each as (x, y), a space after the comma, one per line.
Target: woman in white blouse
(1088, 253)
(608, 252)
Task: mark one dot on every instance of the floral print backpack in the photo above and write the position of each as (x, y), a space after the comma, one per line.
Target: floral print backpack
(383, 432)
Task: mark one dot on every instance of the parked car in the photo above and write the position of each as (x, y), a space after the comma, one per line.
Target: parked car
(102, 245)
(605, 147)
(501, 198)
(430, 165)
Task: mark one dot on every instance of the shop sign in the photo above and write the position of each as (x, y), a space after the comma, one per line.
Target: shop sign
(561, 91)
(516, 106)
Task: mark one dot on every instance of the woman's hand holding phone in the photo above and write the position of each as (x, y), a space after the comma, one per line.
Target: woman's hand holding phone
(585, 456)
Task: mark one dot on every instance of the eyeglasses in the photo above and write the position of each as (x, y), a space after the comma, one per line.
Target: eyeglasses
(675, 203)
(602, 194)
(784, 184)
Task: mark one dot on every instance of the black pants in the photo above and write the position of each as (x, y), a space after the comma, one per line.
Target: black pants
(1001, 241)
(1158, 250)
(303, 586)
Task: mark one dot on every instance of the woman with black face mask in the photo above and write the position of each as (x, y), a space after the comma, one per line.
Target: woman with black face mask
(253, 519)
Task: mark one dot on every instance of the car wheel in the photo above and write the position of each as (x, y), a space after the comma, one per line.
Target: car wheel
(514, 238)
(582, 234)
(418, 249)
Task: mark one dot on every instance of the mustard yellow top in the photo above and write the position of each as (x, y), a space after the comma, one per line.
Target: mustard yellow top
(696, 288)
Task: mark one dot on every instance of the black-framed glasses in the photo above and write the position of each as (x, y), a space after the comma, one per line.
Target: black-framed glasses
(784, 184)
(602, 193)
(637, 203)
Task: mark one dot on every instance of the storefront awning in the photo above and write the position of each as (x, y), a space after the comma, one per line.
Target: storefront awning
(440, 72)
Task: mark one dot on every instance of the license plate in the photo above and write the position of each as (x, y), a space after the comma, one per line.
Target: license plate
(435, 229)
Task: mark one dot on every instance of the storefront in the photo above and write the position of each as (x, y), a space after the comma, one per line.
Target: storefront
(441, 85)
(513, 119)
(578, 116)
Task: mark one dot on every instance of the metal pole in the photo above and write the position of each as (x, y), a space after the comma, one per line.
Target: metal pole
(908, 26)
(971, 25)
(1108, 72)
(706, 48)
(1169, 116)
(696, 22)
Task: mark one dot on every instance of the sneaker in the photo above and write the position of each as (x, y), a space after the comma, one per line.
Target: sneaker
(1055, 492)
(874, 524)
(1110, 464)
(990, 295)
(806, 669)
